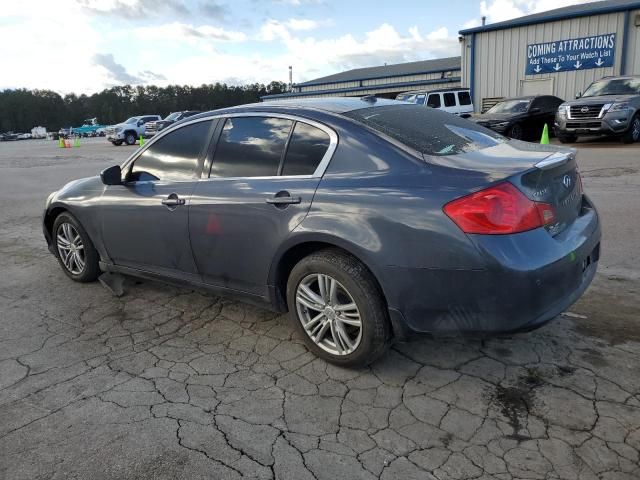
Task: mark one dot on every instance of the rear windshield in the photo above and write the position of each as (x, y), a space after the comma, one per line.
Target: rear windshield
(429, 131)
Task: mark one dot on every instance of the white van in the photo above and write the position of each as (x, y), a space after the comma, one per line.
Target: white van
(452, 100)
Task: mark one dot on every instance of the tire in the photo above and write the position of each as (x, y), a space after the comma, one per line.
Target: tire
(516, 132)
(633, 133)
(117, 143)
(354, 284)
(566, 138)
(66, 226)
(130, 138)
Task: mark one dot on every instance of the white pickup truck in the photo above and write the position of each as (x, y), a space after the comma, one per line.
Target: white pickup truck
(129, 130)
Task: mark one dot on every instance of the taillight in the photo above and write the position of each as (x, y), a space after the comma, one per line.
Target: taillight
(500, 209)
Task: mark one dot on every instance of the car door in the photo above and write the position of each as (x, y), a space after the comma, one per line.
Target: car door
(265, 170)
(145, 220)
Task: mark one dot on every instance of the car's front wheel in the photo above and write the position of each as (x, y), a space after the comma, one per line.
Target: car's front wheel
(633, 134)
(75, 251)
(338, 308)
(516, 132)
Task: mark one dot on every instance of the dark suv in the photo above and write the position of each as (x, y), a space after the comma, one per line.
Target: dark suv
(151, 128)
(610, 106)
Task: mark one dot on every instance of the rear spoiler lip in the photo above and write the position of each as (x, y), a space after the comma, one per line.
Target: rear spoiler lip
(555, 159)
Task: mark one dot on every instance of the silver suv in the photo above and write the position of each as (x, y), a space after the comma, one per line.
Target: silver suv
(610, 106)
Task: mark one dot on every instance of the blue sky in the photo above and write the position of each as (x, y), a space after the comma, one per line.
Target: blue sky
(85, 45)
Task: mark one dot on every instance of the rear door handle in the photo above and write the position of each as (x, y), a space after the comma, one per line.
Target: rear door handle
(173, 200)
(284, 200)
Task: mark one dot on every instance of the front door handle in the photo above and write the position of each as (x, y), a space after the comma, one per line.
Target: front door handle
(173, 200)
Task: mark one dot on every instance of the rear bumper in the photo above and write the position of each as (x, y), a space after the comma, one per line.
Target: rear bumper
(530, 278)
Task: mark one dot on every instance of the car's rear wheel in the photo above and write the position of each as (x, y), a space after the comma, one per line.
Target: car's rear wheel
(633, 134)
(564, 138)
(338, 308)
(130, 138)
(75, 251)
(516, 132)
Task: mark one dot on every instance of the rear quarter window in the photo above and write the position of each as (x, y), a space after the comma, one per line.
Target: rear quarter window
(428, 131)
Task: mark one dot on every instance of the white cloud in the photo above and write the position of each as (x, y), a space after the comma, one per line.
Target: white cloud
(180, 32)
(302, 24)
(501, 10)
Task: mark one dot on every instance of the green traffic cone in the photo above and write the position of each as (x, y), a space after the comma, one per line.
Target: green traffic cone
(76, 142)
(60, 142)
(141, 141)
(545, 135)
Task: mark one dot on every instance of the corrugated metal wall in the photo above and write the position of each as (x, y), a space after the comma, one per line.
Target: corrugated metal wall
(501, 56)
(361, 93)
(633, 45)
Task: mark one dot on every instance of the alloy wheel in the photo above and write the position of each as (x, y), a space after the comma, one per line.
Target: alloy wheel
(635, 132)
(70, 248)
(328, 313)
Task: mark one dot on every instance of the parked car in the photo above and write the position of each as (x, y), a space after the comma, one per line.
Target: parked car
(90, 128)
(8, 136)
(452, 100)
(368, 221)
(151, 128)
(65, 132)
(130, 130)
(610, 106)
(522, 118)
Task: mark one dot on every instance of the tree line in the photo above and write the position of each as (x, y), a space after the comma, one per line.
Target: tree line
(22, 109)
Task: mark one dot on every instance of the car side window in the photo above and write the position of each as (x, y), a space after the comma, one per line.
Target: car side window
(449, 99)
(434, 100)
(464, 98)
(250, 147)
(306, 148)
(420, 99)
(173, 157)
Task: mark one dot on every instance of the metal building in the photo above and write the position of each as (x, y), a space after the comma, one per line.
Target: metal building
(384, 81)
(558, 52)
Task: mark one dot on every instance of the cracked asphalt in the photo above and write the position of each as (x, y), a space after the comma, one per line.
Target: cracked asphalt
(171, 383)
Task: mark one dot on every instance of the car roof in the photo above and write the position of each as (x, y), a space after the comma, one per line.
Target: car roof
(337, 105)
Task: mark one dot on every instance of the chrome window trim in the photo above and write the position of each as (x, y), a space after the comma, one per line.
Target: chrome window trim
(318, 173)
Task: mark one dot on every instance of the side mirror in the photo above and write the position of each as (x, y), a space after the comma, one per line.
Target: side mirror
(578, 95)
(535, 110)
(111, 175)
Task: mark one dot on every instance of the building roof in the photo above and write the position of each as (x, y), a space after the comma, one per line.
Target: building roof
(573, 11)
(396, 70)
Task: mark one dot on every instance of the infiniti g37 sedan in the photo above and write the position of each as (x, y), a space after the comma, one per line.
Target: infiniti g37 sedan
(368, 220)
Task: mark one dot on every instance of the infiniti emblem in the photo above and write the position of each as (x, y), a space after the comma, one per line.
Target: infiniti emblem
(566, 181)
(584, 109)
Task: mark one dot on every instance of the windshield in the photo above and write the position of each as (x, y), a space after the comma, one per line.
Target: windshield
(428, 131)
(131, 120)
(173, 116)
(510, 106)
(618, 86)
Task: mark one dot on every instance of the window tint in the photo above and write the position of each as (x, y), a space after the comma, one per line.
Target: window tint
(250, 147)
(431, 132)
(174, 157)
(420, 99)
(306, 148)
(464, 98)
(449, 99)
(434, 100)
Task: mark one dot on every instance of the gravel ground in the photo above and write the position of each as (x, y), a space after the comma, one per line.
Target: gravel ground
(170, 383)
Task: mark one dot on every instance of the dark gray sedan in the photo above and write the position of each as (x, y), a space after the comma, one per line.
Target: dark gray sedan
(368, 220)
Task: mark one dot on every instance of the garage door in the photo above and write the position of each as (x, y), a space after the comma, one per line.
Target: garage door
(538, 86)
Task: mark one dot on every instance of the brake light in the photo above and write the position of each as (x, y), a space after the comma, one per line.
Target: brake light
(500, 209)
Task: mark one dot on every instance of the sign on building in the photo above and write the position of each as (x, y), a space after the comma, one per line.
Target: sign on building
(570, 55)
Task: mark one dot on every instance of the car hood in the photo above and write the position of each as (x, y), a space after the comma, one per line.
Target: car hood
(497, 117)
(601, 99)
(82, 187)
(500, 161)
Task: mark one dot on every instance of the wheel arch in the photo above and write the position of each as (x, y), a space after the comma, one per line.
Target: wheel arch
(290, 254)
